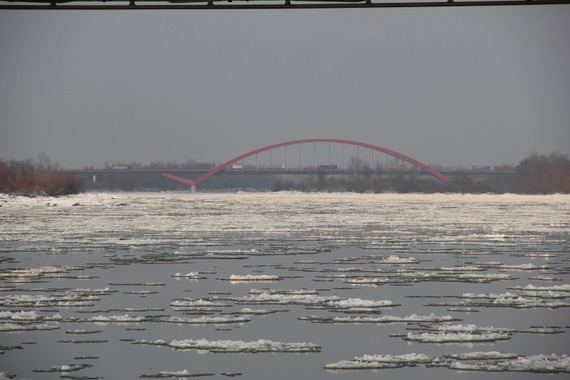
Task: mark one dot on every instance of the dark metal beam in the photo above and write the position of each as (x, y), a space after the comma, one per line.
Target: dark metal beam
(283, 4)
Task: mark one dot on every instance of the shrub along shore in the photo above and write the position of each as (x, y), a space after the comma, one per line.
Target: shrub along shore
(36, 178)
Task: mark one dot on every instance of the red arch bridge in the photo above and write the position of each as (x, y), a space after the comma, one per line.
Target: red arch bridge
(231, 163)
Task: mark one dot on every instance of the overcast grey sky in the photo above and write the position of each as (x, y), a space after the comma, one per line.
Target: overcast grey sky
(447, 86)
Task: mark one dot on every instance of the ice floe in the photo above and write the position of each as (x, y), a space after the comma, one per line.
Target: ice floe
(491, 361)
(456, 337)
(247, 310)
(545, 292)
(527, 266)
(82, 332)
(126, 318)
(235, 278)
(208, 320)
(9, 327)
(219, 346)
(198, 304)
(65, 368)
(382, 319)
(480, 355)
(418, 275)
(509, 300)
(183, 374)
(310, 299)
(40, 300)
(21, 274)
(20, 315)
(380, 362)
(534, 363)
(190, 276)
(368, 281)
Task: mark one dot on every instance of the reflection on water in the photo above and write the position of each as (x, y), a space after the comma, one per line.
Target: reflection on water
(284, 285)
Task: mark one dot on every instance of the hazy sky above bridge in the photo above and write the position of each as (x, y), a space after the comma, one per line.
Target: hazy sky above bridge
(473, 86)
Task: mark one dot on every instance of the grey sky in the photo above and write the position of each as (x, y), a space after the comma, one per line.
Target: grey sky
(446, 86)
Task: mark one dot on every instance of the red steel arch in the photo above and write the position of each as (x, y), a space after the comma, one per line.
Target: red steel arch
(220, 167)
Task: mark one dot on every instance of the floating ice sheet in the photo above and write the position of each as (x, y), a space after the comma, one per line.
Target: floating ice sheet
(382, 319)
(309, 298)
(208, 320)
(235, 278)
(11, 327)
(535, 363)
(472, 361)
(219, 346)
(459, 337)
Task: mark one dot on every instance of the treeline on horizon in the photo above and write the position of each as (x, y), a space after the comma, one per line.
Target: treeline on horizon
(536, 174)
(37, 177)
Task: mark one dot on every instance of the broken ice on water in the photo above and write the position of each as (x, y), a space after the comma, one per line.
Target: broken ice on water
(286, 276)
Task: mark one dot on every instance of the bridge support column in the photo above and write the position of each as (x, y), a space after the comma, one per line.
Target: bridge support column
(193, 188)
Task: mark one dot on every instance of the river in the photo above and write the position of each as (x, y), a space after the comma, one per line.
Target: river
(284, 286)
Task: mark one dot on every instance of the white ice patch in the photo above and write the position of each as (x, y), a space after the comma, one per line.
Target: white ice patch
(462, 269)
(64, 368)
(491, 361)
(487, 277)
(311, 299)
(380, 361)
(38, 300)
(247, 310)
(261, 345)
(415, 275)
(207, 320)
(383, 319)
(470, 328)
(36, 272)
(235, 278)
(184, 374)
(553, 288)
(459, 337)
(510, 300)
(82, 332)
(393, 259)
(190, 276)
(19, 315)
(8, 327)
(368, 281)
(197, 304)
(538, 363)
(26, 316)
(103, 291)
(528, 266)
(486, 355)
(126, 318)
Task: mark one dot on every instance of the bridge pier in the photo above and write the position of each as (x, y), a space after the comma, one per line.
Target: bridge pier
(193, 188)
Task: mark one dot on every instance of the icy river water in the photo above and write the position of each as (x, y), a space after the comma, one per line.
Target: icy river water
(284, 286)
